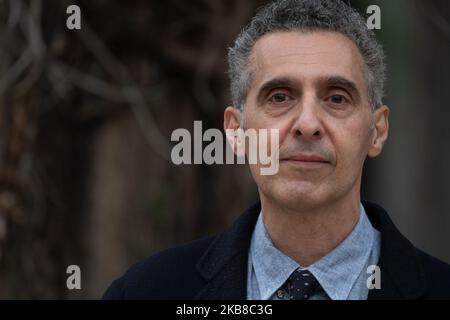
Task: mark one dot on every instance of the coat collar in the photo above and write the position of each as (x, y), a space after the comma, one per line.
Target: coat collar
(402, 275)
(224, 264)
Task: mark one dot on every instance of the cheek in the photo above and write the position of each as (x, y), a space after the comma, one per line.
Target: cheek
(259, 120)
(275, 130)
(351, 148)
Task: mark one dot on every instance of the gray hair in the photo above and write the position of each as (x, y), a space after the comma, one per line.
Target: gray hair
(307, 15)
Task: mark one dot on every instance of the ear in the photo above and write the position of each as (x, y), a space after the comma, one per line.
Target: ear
(380, 132)
(231, 125)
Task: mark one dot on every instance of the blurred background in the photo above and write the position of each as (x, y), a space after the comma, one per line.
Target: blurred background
(86, 117)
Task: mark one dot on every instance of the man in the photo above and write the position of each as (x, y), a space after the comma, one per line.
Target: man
(312, 70)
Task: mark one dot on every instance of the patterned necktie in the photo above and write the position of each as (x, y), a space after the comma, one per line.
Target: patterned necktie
(301, 285)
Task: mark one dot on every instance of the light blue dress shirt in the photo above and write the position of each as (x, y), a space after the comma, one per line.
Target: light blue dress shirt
(342, 273)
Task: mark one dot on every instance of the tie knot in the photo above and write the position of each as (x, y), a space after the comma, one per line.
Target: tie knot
(301, 285)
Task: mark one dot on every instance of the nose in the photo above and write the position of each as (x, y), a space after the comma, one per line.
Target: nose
(308, 122)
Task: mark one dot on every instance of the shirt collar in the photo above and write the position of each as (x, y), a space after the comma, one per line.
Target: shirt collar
(336, 272)
(272, 267)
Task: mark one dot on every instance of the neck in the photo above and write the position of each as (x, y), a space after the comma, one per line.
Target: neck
(307, 234)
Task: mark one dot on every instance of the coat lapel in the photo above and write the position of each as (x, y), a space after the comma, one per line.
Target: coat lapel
(224, 264)
(402, 275)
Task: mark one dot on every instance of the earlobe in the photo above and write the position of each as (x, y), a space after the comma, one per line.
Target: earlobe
(231, 124)
(380, 131)
(375, 138)
(231, 118)
(374, 149)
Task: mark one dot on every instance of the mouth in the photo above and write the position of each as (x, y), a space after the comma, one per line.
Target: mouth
(306, 160)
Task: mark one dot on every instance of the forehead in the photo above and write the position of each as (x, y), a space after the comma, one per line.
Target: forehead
(305, 56)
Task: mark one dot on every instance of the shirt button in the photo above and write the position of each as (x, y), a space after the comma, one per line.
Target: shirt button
(280, 294)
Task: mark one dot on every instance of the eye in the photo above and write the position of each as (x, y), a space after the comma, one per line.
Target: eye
(338, 99)
(279, 98)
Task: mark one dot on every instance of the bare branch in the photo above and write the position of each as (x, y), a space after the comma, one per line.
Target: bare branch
(129, 89)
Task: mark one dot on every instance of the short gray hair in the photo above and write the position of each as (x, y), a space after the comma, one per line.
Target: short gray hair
(307, 15)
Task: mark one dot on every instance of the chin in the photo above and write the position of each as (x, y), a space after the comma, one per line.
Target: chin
(298, 194)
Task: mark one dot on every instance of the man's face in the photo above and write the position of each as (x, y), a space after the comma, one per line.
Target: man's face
(311, 87)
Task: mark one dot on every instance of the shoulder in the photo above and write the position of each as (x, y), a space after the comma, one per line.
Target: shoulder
(437, 276)
(169, 274)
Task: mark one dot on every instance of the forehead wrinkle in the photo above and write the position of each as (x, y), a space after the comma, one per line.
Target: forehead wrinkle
(260, 58)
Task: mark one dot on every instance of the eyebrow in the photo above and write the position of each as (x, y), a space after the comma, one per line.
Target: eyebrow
(331, 81)
(273, 84)
(338, 81)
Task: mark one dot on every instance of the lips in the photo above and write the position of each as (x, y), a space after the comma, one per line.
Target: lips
(306, 158)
